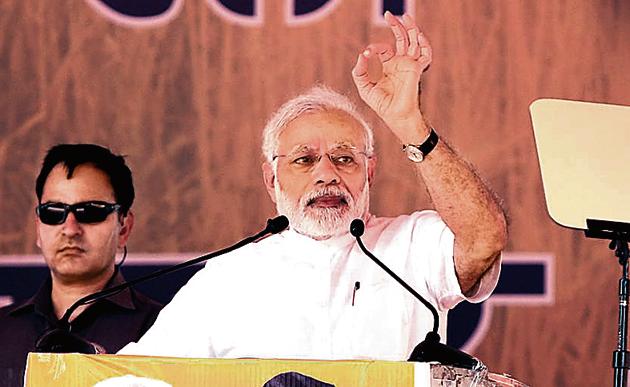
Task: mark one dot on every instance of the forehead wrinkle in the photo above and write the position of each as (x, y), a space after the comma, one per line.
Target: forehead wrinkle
(301, 148)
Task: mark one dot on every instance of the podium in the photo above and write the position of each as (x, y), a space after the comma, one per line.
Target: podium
(51, 369)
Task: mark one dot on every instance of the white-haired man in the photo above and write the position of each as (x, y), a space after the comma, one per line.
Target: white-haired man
(309, 292)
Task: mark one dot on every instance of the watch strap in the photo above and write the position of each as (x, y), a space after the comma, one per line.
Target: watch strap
(429, 144)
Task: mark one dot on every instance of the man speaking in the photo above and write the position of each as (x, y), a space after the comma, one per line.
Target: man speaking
(309, 292)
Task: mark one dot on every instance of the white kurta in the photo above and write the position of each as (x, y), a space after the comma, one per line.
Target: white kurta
(289, 296)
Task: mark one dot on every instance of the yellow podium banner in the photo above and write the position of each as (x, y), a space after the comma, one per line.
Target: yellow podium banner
(88, 370)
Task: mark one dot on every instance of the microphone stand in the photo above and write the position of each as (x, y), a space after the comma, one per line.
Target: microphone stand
(619, 235)
(62, 340)
(430, 349)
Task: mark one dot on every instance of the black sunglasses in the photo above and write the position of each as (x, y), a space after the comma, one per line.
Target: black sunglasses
(84, 212)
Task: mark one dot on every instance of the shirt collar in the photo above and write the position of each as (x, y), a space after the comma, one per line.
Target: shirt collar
(125, 298)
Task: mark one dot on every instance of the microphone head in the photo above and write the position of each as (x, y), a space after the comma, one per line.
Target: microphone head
(60, 340)
(277, 224)
(357, 228)
(432, 350)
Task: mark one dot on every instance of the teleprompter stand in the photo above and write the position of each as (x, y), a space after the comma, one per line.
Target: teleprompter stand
(619, 234)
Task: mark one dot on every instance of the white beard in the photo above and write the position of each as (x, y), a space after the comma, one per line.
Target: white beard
(323, 223)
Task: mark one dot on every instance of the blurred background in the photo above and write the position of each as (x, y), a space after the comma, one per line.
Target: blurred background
(183, 88)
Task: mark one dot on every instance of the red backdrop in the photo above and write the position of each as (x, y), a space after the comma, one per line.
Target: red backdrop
(186, 97)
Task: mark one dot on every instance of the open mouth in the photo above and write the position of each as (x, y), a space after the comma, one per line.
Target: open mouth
(328, 201)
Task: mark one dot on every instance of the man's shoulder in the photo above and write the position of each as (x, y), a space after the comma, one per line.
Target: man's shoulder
(132, 297)
(146, 302)
(15, 315)
(6, 310)
(424, 217)
(417, 228)
(16, 308)
(251, 251)
(248, 261)
(39, 300)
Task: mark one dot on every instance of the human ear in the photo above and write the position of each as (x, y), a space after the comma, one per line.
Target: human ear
(269, 177)
(125, 229)
(371, 169)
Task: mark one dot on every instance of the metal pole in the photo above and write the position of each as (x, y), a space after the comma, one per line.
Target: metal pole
(620, 356)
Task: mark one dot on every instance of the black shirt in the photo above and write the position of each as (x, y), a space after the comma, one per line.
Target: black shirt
(112, 323)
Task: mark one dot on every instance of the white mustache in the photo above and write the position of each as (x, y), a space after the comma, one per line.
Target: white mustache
(327, 191)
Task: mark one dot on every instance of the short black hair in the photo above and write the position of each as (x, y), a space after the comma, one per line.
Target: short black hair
(73, 155)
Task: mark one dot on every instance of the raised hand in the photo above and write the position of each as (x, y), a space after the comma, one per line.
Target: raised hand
(394, 97)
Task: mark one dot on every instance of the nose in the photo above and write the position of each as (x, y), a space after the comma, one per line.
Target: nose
(71, 227)
(325, 172)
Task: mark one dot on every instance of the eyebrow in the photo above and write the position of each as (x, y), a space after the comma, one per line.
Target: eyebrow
(340, 145)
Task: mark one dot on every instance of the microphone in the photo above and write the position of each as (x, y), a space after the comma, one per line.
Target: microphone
(430, 349)
(62, 340)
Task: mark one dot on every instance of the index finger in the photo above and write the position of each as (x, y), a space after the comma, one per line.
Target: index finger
(400, 33)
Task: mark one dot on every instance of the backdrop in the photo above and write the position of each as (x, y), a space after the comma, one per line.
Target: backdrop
(183, 87)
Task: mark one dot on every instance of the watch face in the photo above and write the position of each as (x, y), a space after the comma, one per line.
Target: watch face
(414, 154)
